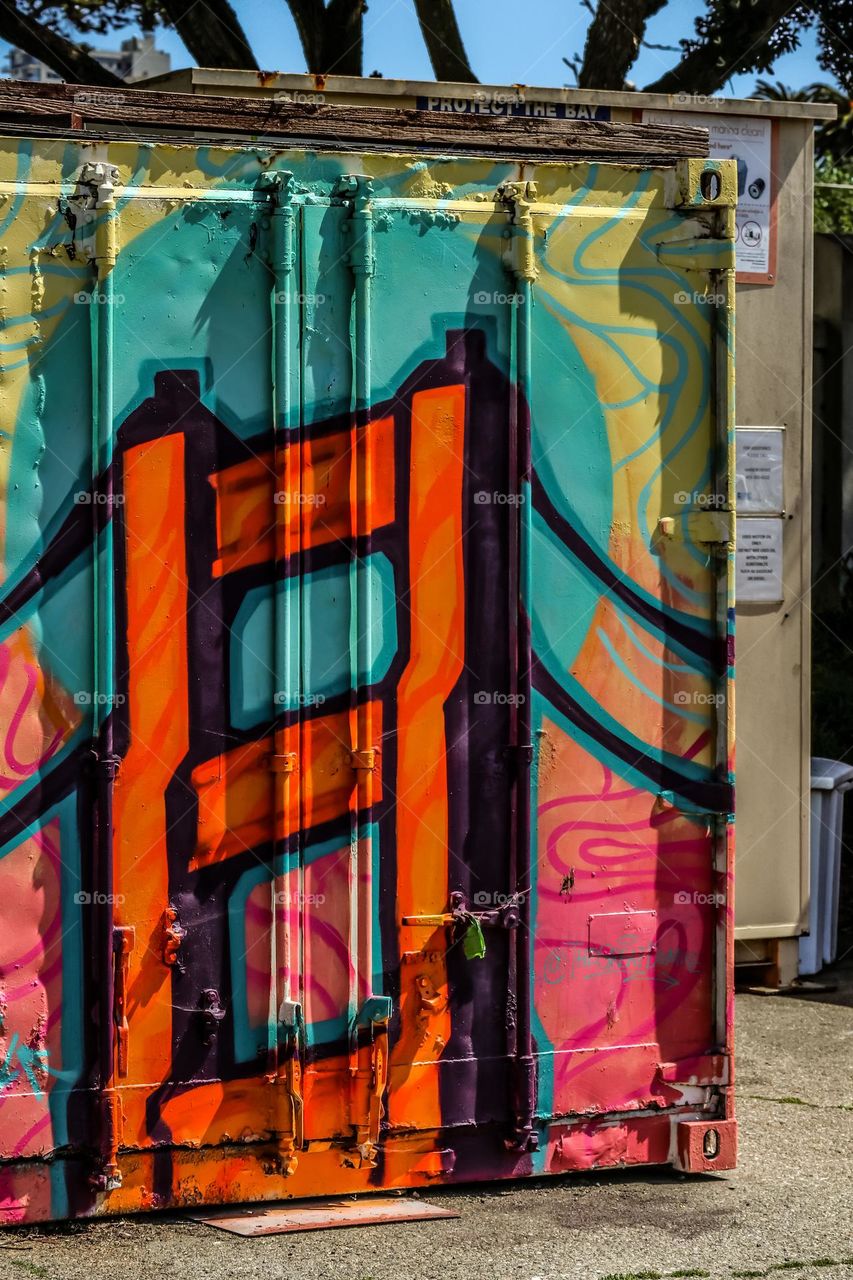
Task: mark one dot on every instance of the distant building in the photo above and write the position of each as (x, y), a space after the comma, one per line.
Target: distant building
(137, 59)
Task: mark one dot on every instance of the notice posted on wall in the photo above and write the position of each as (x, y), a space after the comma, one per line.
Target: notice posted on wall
(759, 470)
(759, 560)
(748, 141)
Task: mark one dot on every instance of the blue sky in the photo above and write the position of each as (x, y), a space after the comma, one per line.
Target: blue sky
(506, 43)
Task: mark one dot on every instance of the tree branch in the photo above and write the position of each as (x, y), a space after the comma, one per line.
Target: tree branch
(330, 35)
(68, 60)
(707, 66)
(212, 33)
(308, 17)
(613, 41)
(342, 38)
(443, 40)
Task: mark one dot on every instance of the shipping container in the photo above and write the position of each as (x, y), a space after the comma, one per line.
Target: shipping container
(772, 144)
(367, 650)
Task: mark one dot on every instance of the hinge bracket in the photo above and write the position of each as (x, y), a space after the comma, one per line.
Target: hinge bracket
(367, 759)
(285, 763)
(357, 189)
(714, 527)
(520, 258)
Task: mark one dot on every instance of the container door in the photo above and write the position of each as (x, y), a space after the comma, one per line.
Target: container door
(440, 348)
(629, 543)
(348, 643)
(207, 880)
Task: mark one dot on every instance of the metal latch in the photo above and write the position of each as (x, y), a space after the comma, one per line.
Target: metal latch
(699, 183)
(171, 938)
(374, 1016)
(506, 916)
(124, 940)
(716, 527)
(289, 1077)
(713, 527)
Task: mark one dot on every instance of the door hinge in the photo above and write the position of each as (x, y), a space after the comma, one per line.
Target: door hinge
(285, 763)
(714, 527)
(520, 256)
(106, 764)
(367, 759)
(211, 1013)
(667, 802)
(361, 255)
(171, 937)
(521, 754)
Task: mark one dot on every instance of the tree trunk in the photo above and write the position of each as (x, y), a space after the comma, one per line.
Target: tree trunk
(330, 35)
(342, 44)
(212, 33)
(443, 40)
(613, 41)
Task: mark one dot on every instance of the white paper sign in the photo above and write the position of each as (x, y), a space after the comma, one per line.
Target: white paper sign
(759, 560)
(747, 141)
(759, 470)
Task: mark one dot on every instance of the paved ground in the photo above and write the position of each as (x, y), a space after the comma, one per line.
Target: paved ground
(788, 1209)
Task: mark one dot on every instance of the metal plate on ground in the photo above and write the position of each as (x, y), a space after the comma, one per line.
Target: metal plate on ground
(318, 1215)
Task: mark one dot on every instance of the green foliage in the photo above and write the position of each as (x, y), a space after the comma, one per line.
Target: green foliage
(833, 206)
(96, 16)
(730, 26)
(833, 198)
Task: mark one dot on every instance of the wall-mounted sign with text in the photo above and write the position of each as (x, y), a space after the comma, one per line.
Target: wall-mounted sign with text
(750, 142)
(760, 494)
(759, 470)
(506, 103)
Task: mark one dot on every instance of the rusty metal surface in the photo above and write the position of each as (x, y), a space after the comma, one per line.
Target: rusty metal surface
(321, 1215)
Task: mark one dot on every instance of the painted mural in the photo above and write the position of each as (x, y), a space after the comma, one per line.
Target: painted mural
(365, 672)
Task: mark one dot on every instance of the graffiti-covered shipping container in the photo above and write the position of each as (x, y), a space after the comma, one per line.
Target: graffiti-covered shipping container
(366, 668)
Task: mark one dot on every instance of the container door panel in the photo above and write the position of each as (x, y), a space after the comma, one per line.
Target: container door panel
(628, 657)
(202, 870)
(441, 348)
(337, 883)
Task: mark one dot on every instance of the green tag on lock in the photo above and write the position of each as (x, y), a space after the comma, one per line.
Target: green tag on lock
(473, 944)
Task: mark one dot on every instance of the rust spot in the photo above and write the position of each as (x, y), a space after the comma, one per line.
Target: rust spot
(264, 77)
(320, 82)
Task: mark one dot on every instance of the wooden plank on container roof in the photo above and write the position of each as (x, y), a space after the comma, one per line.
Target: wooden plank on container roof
(87, 109)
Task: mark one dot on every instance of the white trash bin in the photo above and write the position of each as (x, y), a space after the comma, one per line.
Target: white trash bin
(830, 779)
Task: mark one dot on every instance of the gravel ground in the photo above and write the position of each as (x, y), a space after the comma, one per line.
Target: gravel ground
(787, 1209)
